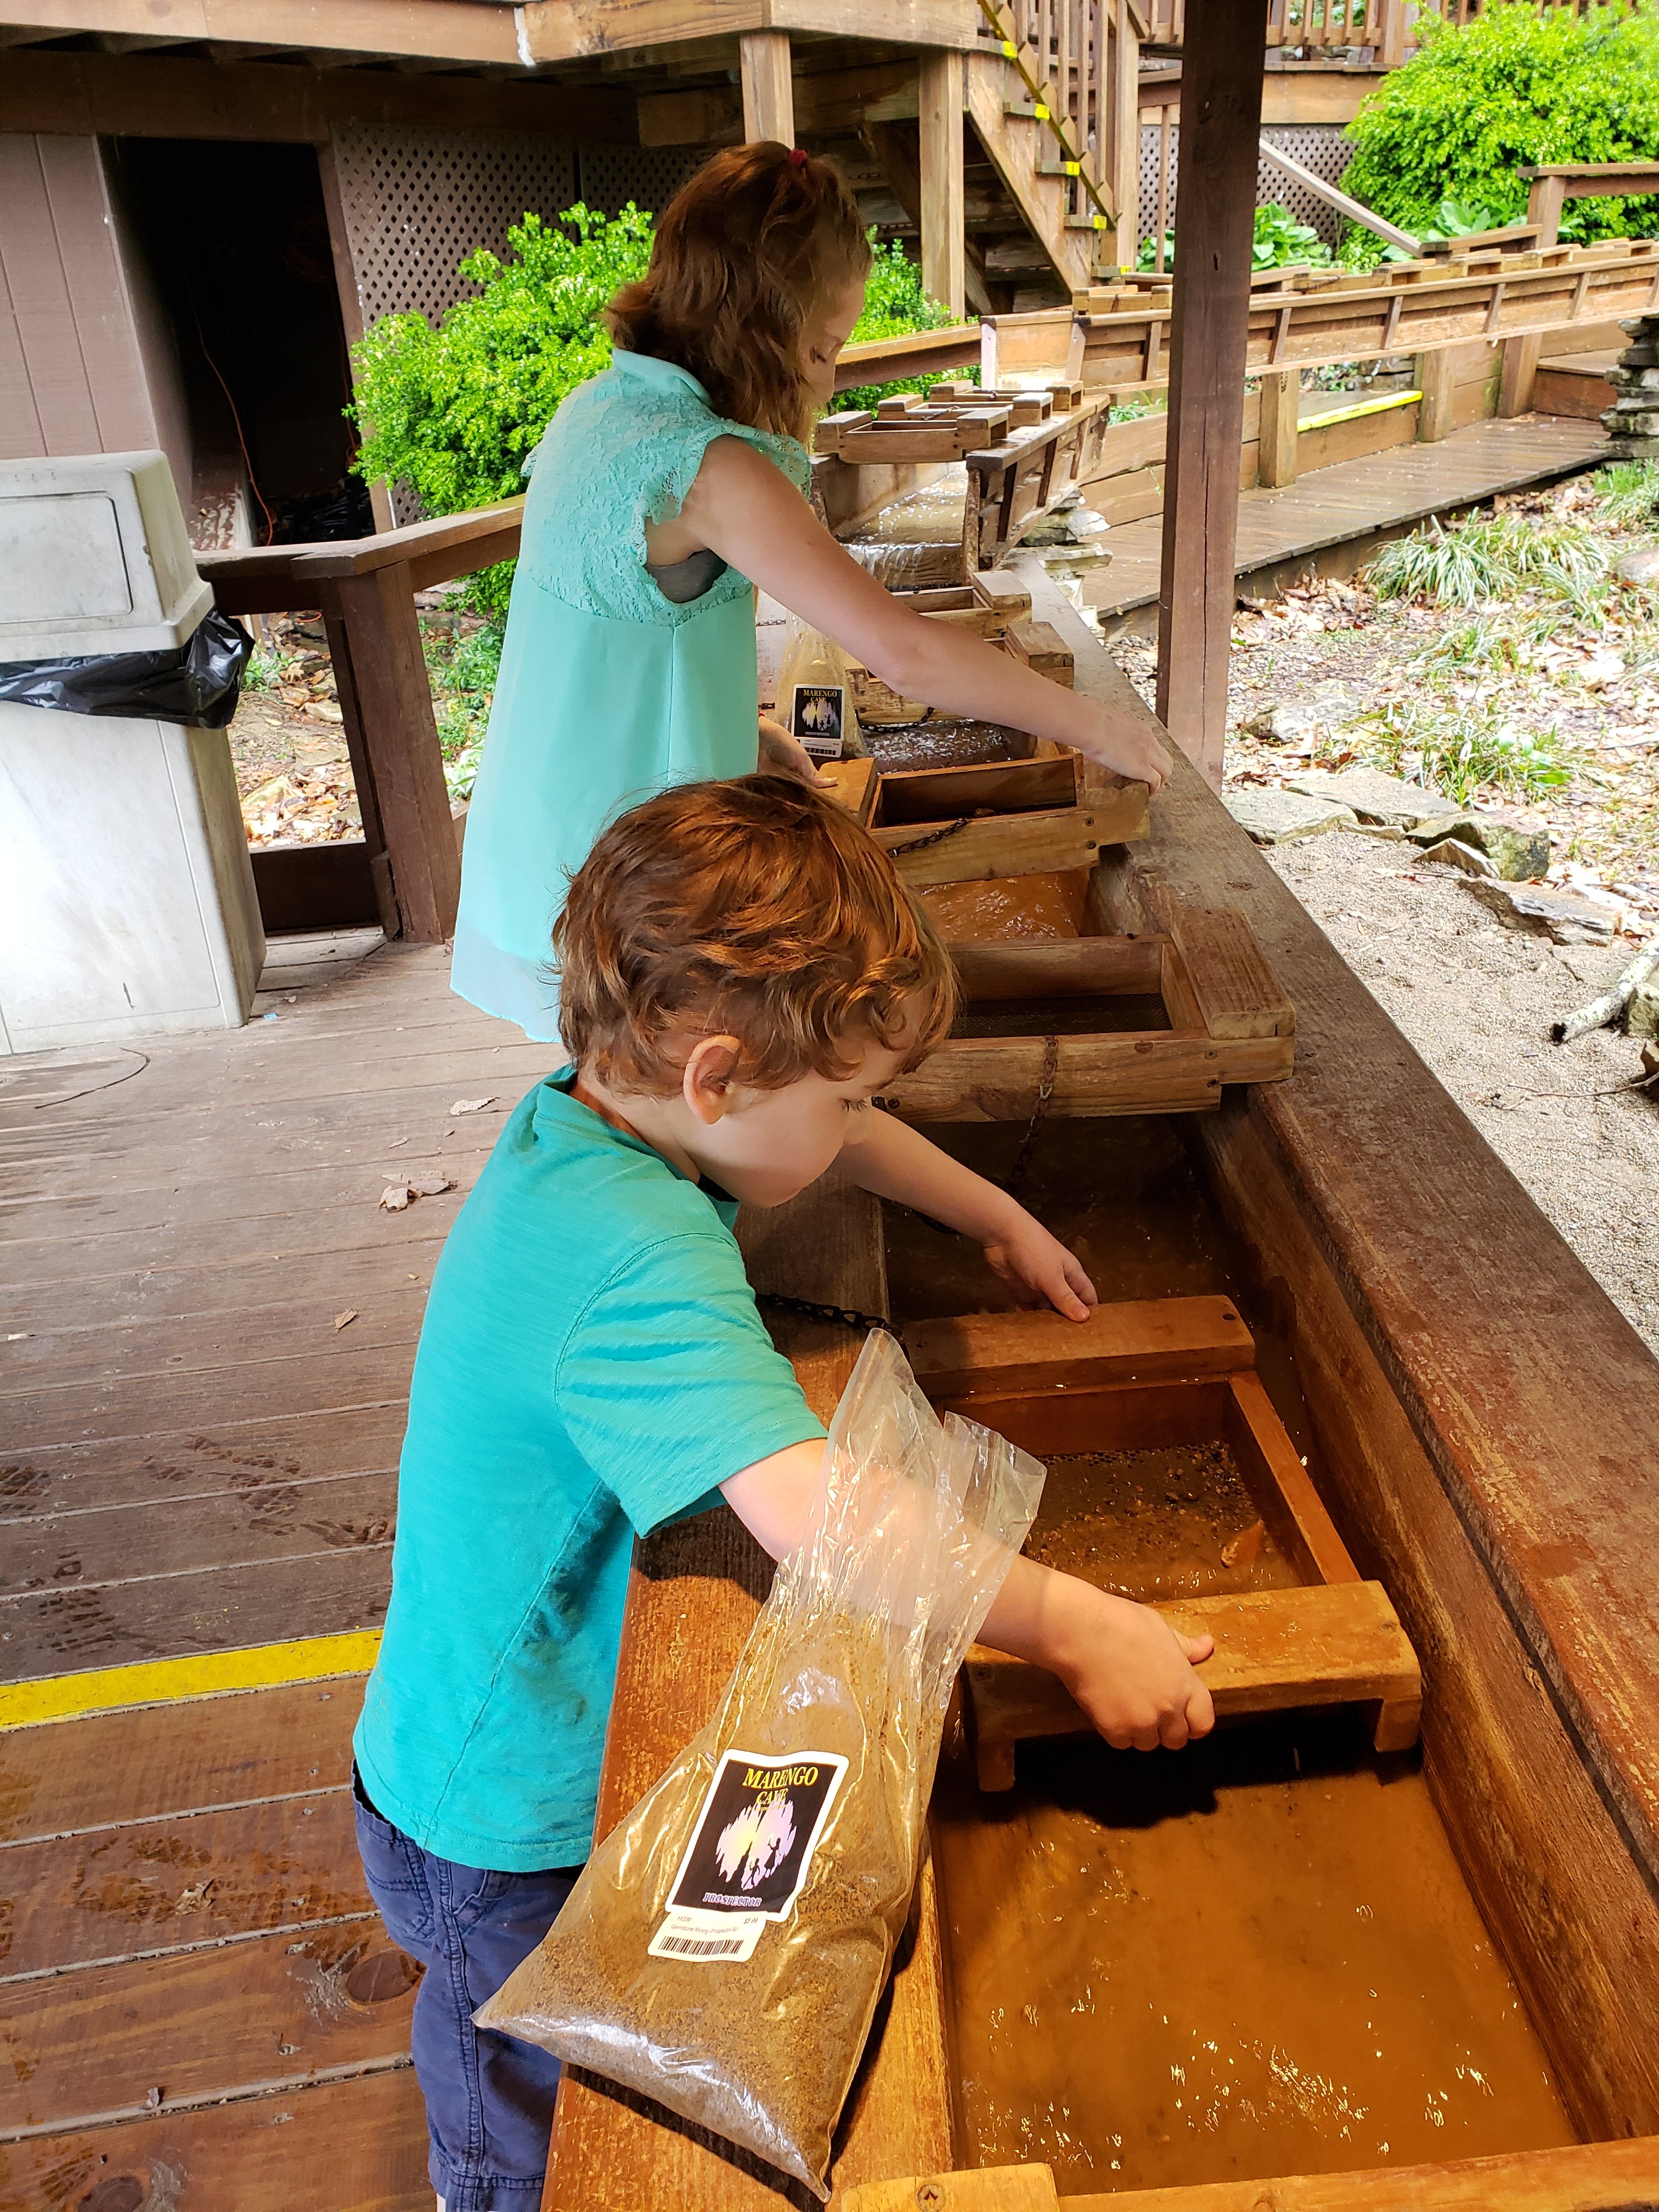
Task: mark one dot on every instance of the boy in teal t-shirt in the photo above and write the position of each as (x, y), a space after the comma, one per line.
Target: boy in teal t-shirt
(741, 971)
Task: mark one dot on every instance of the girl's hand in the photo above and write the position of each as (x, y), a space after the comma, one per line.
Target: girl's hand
(1129, 748)
(1038, 1268)
(782, 753)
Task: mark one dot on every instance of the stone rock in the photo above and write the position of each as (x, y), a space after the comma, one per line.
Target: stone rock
(1518, 855)
(1595, 966)
(1555, 914)
(1286, 724)
(1642, 1015)
(1376, 798)
(1276, 817)
(1453, 853)
(1641, 567)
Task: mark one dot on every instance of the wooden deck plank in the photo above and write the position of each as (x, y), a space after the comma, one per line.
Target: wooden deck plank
(108, 1769)
(204, 1460)
(298, 1384)
(248, 2016)
(350, 1274)
(1352, 499)
(366, 2135)
(384, 1317)
(122, 1543)
(181, 1884)
(266, 1601)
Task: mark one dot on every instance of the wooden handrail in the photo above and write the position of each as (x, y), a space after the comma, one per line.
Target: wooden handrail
(915, 353)
(274, 578)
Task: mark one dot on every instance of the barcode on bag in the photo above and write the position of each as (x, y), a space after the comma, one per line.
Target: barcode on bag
(707, 1936)
(690, 1946)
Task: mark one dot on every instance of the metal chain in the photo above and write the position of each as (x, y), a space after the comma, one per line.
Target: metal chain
(933, 837)
(1045, 1092)
(808, 1309)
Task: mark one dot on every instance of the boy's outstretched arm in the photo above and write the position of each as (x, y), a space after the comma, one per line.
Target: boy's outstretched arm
(1128, 1669)
(892, 1159)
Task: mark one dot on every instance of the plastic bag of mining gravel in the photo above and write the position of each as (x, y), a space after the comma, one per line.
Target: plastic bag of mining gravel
(725, 1948)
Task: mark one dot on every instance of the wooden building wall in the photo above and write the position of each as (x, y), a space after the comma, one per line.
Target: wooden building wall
(82, 360)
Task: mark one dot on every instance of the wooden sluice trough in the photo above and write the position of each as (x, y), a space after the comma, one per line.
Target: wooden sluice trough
(1298, 1966)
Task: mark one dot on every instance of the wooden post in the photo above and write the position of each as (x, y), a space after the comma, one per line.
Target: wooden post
(385, 703)
(944, 206)
(1545, 200)
(1281, 407)
(1435, 373)
(1125, 179)
(768, 93)
(1215, 216)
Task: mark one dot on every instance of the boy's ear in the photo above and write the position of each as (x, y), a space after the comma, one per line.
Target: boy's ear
(706, 1084)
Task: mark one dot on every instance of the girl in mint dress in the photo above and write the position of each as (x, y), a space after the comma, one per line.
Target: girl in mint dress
(662, 492)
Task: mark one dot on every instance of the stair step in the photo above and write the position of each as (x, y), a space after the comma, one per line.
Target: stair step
(1060, 169)
(1087, 223)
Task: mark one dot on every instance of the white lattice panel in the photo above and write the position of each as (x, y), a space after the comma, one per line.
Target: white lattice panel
(648, 175)
(417, 202)
(1320, 146)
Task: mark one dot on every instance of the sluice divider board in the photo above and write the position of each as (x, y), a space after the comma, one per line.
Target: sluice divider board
(1156, 1373)
(1020, 817)
(1621, 2176)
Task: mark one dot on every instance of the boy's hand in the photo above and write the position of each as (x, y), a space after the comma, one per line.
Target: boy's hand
(1038, 1268)
(1132, 1673)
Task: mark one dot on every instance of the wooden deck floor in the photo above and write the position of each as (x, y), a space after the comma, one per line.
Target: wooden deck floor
(200, 2007)
(1352, 503)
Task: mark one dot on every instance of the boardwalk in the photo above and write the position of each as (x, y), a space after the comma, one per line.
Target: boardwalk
(1354, 503)
(198, 1461)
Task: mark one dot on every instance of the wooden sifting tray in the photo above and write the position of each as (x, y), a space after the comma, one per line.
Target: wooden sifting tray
(1144, 1024)
(1020, 817)
(1142, 1376)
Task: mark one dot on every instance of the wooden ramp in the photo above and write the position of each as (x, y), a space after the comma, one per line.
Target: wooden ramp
(200, 2006)
(1355, 504)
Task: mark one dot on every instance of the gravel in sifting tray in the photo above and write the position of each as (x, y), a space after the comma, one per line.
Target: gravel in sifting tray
(942, 741)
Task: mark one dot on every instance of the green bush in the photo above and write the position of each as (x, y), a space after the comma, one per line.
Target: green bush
(894, 303)
(452, 412)
(1474, 562)
(1279, 241)
(1444, 138)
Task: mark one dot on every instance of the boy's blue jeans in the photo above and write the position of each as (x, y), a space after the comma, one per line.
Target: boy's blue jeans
(488, 2097)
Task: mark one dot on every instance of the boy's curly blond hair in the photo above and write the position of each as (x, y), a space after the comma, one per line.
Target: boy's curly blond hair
(757, 909)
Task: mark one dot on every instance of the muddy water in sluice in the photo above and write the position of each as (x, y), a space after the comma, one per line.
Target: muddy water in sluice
(1023, 909)
(1255, 1956)
(915, 539)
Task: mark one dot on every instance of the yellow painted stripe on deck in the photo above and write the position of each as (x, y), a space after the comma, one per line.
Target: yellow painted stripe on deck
(211, 1674)
(1390, 400)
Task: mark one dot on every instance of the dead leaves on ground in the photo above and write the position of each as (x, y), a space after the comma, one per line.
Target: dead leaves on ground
(398, 1195)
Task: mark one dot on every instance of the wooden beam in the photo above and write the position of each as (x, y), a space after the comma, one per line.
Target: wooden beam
(455, 30)
(575, 30)
(1546, 198)
(1355, 211)
(1436, 377)
(1281, 403)
(1215, 194)
(828, 103)
(769, 94)
(944, 207)
(177, 96)
(1124, 128)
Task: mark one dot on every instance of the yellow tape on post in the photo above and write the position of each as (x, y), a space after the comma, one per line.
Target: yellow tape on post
(210, 1674)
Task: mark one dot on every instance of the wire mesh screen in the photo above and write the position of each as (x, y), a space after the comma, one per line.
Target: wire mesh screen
(1320, 147)
(648, 175)
(417, 202)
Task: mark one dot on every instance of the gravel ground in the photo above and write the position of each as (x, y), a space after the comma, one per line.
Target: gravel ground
(1476, 1000)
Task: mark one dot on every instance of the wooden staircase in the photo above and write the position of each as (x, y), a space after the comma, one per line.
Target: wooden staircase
(1053, 92)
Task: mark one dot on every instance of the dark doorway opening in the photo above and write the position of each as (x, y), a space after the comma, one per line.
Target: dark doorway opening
(234, 242)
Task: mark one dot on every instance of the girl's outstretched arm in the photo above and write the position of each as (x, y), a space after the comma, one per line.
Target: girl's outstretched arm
(744, 509)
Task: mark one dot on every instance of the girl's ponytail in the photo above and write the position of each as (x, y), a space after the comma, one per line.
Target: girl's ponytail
(742, 253)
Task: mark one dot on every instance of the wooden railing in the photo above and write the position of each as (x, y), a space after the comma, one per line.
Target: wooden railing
(365, 589)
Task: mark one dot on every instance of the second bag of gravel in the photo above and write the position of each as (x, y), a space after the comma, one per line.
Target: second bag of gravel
(725, 1948)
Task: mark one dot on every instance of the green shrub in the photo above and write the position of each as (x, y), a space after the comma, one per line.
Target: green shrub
(464, 670)
(1279, 241)
(1463, 749)
(452, 412)
(1474, 563)
(1515, 86)
(894, 303)
(1627, 494)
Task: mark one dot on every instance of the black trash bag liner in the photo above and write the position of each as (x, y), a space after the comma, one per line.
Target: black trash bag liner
(198, 682)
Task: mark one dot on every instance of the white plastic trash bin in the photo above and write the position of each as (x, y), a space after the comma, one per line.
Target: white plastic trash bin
(127, 904)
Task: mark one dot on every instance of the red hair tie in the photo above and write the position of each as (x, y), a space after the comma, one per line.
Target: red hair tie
(797, 159)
